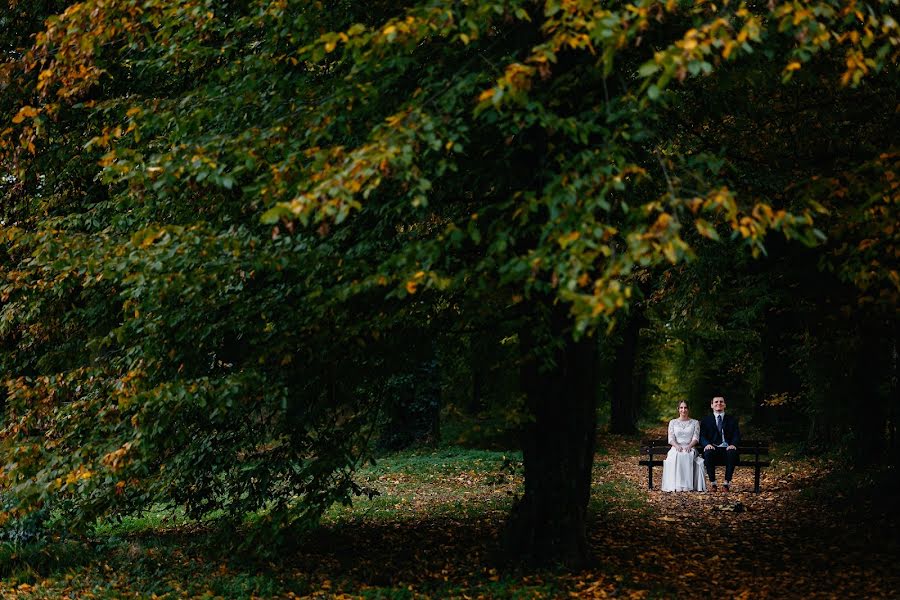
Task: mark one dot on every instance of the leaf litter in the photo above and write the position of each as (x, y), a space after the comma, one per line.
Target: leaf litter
(434, 533)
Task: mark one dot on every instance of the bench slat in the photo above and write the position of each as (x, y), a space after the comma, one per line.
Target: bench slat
(665, 442)
(662, 447)
(741, 463)
(656, 450)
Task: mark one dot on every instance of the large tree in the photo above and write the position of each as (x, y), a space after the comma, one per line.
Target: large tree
(222, 220)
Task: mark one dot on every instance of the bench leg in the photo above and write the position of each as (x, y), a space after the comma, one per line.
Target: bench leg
(650, 474)
(756, 480)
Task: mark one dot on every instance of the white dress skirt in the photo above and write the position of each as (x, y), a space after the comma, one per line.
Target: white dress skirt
(683, 471)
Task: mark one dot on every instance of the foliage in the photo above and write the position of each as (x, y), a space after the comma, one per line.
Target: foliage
(28, 528)
(784, 329)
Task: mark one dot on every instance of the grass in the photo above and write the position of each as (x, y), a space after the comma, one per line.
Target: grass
(617, 495)
(156, 518)
(434, 483)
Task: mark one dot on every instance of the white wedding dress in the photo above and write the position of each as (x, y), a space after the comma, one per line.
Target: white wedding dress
(683, 471)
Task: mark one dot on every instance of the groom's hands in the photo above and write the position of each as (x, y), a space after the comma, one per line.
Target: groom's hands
(731, 447)
(709, 447)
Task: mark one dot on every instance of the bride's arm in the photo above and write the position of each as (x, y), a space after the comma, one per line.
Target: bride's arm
(695, 435)
(672, 441)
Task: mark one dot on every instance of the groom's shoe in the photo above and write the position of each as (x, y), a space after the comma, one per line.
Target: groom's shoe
(726, 487)
(715, 487)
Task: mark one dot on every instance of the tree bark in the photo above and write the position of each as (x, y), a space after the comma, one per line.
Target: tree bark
(477, 352)
(624, 393)
(548, 524)
(872, 374)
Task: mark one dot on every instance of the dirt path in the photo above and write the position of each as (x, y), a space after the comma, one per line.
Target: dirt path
(784, 542)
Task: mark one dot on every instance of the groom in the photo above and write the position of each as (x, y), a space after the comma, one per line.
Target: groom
(719, 436)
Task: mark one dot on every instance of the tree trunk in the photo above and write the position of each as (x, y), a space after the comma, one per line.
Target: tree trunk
(873, 372)
(413, 406)
(894, 404)
(624, 393)
(477, 353)
(548, 524)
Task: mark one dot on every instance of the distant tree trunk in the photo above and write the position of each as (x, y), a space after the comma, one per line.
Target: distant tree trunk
(872, 376)
(894, 403)
(413, 404)
(624, 392)
(477, 352)
(412, 398)
(779, 376)
(548, 524)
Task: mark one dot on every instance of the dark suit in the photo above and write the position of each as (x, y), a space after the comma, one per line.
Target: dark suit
(709, 434)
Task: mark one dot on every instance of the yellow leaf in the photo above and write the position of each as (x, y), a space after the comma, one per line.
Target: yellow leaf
(726, 51)
(670, 254)
(25, 112)
(567, 239)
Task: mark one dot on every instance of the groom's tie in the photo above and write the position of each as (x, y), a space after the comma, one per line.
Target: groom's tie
(719, 427)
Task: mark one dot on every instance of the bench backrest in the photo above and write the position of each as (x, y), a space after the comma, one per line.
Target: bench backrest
(661, 446)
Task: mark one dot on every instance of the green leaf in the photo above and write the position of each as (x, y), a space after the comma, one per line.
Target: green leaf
(648, 68)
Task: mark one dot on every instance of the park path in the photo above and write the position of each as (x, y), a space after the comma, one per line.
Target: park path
(801, 537)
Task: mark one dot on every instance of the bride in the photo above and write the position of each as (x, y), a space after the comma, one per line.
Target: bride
(683, 466)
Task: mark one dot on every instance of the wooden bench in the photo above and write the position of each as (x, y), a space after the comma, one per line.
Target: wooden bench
(749, 451)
